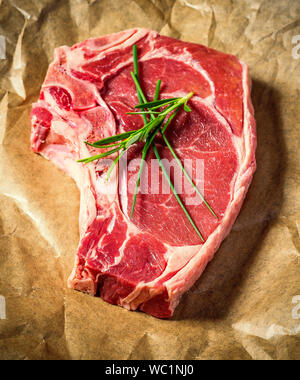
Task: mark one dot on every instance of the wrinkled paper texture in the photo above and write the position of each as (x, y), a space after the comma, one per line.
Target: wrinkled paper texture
(246, 305)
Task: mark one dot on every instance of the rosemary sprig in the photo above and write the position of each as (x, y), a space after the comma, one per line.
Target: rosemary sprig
(142, 99)
(173, 104)
(150, 141)
(145, 150)
(157, 124)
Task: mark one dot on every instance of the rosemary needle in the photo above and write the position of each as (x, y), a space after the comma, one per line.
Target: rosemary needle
(106, 154)
(136, 74)
(115, 163)
(157, 90)
(157, 103)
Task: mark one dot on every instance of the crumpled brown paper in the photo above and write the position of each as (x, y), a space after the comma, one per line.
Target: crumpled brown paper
(245, 306)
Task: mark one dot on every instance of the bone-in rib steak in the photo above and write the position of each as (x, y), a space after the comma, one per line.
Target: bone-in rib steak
(147, 263)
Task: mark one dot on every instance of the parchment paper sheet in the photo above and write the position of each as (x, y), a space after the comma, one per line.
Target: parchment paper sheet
(245, 306)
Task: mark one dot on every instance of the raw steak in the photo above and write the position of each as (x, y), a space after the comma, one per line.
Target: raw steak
(147, 263)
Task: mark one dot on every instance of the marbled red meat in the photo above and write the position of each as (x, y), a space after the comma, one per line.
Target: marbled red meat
(148, 262)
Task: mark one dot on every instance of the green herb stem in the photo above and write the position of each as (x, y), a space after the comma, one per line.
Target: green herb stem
(175, 192)
(157, 90)
(115, 163)
(136, 75)
(158, 103)
(186, 174)
(106, 154)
